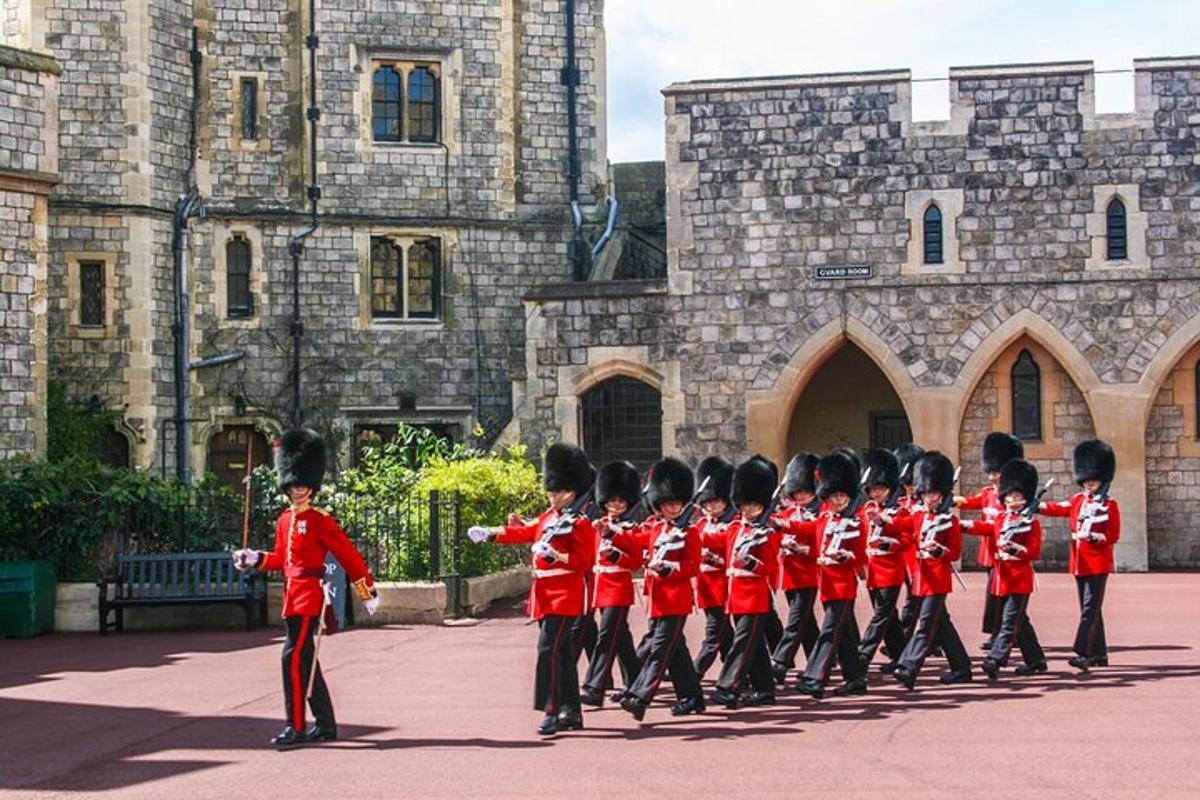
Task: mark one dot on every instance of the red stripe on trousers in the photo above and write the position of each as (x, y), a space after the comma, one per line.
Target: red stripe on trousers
(298, 691)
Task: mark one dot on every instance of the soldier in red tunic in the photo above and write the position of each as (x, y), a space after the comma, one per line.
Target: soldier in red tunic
(1017, 543)
(797, 562)
(1095, 528)
(751, 553)
(304, 535)
(998, 450)
(934, 535)
(712, 584)
(841, 532)
(563, 554)
(885, 558)
(673, 559)
(907, 456)
(618, 489)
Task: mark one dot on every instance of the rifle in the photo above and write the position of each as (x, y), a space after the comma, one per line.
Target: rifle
(1022, 522)
(565, 523)
(759, 530)
(1096, 511)
(941, 522)
(849, 512)
(685, 517)
(676, 538)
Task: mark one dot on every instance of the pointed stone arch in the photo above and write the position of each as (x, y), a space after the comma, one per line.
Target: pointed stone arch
(769, 410)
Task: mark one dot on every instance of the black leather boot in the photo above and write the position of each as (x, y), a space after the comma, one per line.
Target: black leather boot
(634, 706)
(692, 705)
(592, 697)
(725, 698)
(1025, 670)
(289, 739)
(850, 688)
(549, 725)
(570, 719)
(322, 733)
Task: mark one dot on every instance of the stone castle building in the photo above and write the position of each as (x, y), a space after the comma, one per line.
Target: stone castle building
(810, 267)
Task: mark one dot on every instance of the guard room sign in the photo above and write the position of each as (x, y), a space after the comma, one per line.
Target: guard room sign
(844, 273)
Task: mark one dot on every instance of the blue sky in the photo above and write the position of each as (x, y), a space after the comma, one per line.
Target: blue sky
(652, 43)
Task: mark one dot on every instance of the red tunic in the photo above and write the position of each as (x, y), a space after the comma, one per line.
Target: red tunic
(834, 532)
(799, 570)
(1013, 574)
(932, 574)
(558, 588)
(887, 565)
(752, 556)
(989, 503)
(670, 595)
(300, 551)
(1089, 558)
(712, 584)
(612, 585)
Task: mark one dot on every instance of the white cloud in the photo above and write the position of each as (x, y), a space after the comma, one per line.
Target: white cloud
(652, 43)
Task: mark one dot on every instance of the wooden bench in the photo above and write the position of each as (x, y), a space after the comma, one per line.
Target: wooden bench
(177, 579)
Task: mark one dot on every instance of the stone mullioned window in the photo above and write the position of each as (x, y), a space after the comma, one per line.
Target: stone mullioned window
(406, 102)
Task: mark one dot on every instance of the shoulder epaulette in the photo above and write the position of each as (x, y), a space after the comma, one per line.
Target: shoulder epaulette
(320, 510)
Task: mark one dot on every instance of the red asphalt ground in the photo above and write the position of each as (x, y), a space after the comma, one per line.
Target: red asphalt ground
(445, 712)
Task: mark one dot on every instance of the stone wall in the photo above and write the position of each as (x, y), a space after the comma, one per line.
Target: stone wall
(1173, 470)
(28, 169)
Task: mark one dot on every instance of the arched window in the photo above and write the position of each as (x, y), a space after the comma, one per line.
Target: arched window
(1117, 231)
(1026, 398)
(111, 448)
(1196, 390)
(227, 451)
(932, 223)
(387, 288)
(387, 101)
(424, 278)
(239, 301)
(422, 105)
(621, 418)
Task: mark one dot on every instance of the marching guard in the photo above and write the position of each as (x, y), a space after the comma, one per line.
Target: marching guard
(1095, 528)
(562, 555)
(618, 488)
(712, 584)
(798, 562)
(304, 536)
(886, 569)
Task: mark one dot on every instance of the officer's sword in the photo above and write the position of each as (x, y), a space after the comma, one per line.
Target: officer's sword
(320, 634)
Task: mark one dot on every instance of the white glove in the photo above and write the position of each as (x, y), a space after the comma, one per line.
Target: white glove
(245, 559)
(372, 605)
(478, 533)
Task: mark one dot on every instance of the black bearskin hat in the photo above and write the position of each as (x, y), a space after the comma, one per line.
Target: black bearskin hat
(618, 479)
(565, 468)
(933, 472)
(754, 481)
(906, 456)
(719, 472)
(999, 449)
(670, 479)
(1019, 475)
(300, 459)
(1095, 461)
(801, 474)
(838, 472)
(884, 468)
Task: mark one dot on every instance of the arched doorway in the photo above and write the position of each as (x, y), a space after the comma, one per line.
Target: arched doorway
(621, 418)
(1027, 391)
(227, 451)
(1173, 468)
(848, 402)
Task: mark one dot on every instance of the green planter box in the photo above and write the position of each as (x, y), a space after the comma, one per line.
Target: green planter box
(26, 598)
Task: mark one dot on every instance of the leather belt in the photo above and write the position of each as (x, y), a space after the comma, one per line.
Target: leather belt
(304, 572)
(551, 573)
(609, 569)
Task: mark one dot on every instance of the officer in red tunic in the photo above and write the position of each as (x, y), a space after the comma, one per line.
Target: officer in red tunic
(563, 554)
(751, 553)
(886, 571)
(672, 560)
(1095, 528)
(1017, 543)
(304, 536)
(841, 532)
(907, 456)
(618, 489)
(934, 534)
(712, 584)
(998, 450)
(797, 561)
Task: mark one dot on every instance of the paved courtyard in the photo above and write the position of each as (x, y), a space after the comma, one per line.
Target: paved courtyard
(445, 712)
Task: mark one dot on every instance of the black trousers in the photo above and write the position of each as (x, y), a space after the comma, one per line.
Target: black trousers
(1016, 627)
(667, 651)
(839, 634)
(884, 625)
(934, 627)
(583, 634)
(297, 666)
(800, 629)
(718, 636)
(556, 679)
(991, 607)
(774, 629)
(748, 659)
(1089, 638)
(908, 616)
(614, 642)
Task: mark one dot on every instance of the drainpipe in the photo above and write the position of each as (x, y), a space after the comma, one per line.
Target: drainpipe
(296, 243)
(580, 266)
(186, 207)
